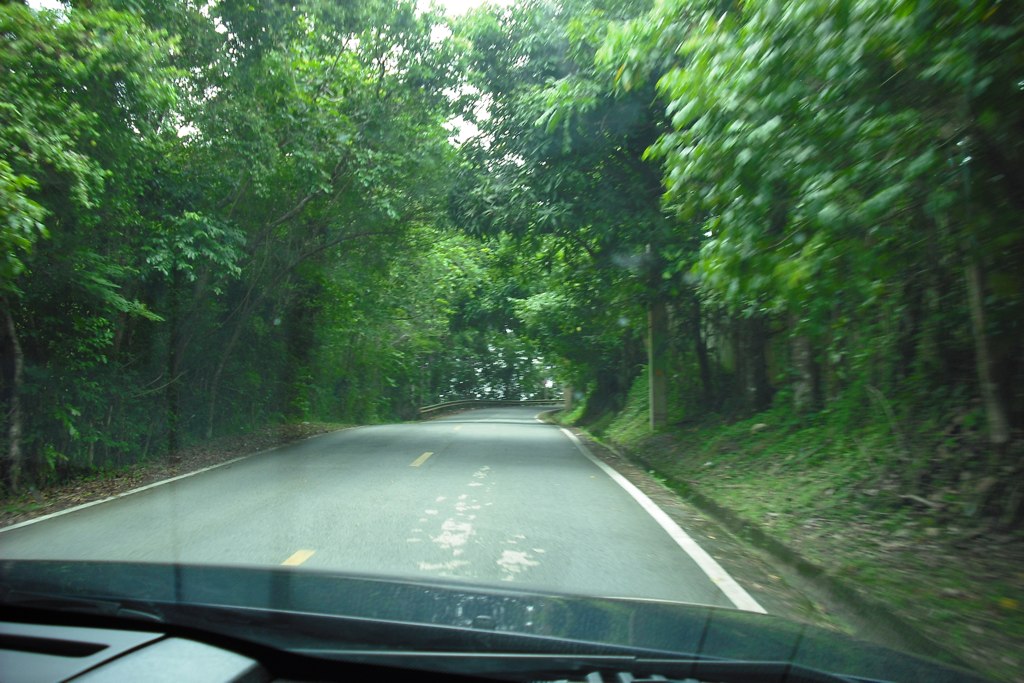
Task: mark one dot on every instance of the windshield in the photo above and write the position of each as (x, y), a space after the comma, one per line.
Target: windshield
(683, 302)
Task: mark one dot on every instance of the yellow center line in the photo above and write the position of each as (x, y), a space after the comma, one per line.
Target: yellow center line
(298, 557)
(422, 459)
(457, 428)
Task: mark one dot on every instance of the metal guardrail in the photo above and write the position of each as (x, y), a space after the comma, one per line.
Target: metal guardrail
(467, 403)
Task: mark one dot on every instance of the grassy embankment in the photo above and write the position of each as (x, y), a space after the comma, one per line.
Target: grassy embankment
(887, 525)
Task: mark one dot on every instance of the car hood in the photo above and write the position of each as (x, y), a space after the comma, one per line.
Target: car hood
(330, 612)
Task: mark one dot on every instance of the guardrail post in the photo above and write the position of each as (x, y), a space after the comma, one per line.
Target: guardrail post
(426, 410)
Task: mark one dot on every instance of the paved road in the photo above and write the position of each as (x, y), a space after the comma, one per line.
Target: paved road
(501, 497)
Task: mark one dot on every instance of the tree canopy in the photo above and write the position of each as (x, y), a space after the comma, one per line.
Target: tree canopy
(217, 215)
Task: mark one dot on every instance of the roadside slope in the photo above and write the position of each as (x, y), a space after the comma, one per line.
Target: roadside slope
(830, 510)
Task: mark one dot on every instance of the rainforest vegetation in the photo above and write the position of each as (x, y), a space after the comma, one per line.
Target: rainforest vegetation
(217, 215)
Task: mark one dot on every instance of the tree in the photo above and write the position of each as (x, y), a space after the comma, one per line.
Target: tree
(557, 166)
(219, 183)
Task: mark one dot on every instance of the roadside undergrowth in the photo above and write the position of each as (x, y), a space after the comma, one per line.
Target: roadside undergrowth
(887, 524)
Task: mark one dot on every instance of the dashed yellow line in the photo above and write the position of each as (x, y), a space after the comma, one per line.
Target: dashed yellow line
(298, 557)
(422, 459)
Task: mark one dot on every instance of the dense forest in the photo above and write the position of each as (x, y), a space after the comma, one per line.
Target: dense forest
(218, 215)
(221, 215)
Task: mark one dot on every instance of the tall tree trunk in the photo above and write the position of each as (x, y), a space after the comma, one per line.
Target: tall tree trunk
(759, 389)
(995, 409)
(13, 363)
(242, 313)
(806, 385)
(740, 362)
(225, 355)
(657, 363)
(701, 349)
(173, 363)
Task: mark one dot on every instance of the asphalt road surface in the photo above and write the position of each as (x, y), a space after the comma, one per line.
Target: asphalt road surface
(488, 496)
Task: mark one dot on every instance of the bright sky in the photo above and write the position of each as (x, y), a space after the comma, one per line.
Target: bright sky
(453, 6)
(459, 6)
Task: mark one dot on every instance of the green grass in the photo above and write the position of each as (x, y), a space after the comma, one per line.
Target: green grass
(632, 424)
(573, 416)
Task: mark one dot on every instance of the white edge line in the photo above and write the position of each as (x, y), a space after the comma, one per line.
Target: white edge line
(721, 578)
(68, 511)
(544, 412)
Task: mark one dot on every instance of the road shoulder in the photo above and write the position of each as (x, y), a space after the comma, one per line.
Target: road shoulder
(112, 483)
(752, 569)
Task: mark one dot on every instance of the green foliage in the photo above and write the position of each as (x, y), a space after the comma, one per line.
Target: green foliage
(214, 216)
(20, 222)
(556, 168)
(632, 423)
(243, 206)
(805, 184)
(839, 163)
